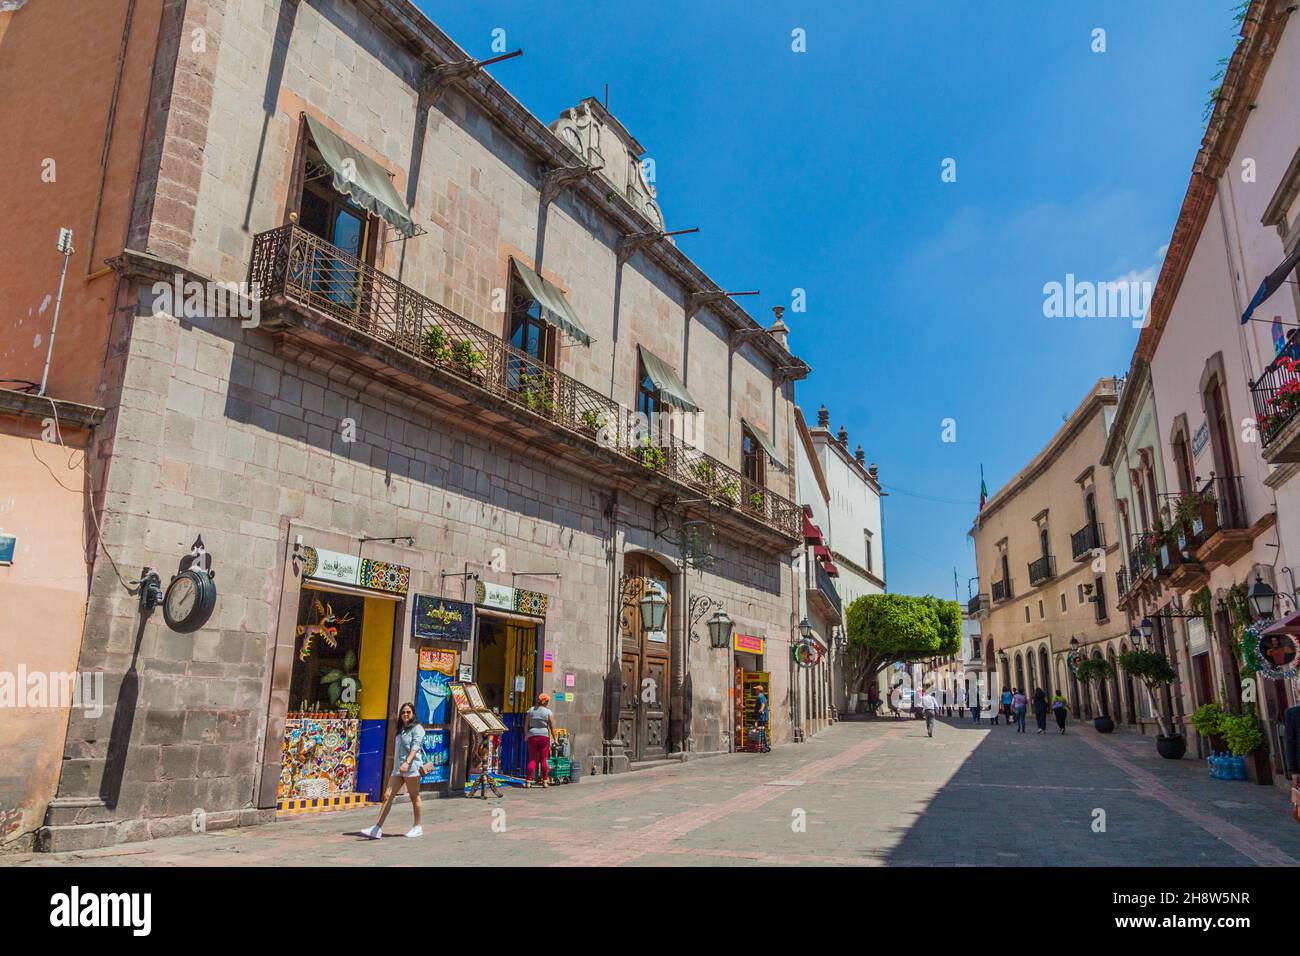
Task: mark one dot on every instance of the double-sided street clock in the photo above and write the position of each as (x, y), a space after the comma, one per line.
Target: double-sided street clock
(192, 594)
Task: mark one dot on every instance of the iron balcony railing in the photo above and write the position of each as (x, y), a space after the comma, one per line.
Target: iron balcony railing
(827, 586)
(1001, 591)
(1042, 569)
(305, 269)
(974, 604)
(1085, 539)
(1229, 500)
(1276, 393)
(1121, 582)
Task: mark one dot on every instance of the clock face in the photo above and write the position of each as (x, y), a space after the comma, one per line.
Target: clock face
(189, 601)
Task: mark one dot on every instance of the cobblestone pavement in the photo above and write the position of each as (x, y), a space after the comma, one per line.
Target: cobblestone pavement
(871, 794)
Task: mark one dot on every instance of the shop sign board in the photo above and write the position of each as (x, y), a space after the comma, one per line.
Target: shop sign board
(433, 684)
(498, 596)
(331, 566)
(8, 544)
(437, 619)
(1200, 439)
(747, 643)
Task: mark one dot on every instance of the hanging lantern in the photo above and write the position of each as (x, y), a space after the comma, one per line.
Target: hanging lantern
(719, 629)
(654, 608)
(1262, 599)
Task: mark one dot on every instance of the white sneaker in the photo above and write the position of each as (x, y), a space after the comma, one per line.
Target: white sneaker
(373, 832)
(415, 832)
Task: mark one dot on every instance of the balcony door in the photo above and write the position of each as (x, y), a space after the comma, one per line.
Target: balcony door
(531, 335)
(335, 270)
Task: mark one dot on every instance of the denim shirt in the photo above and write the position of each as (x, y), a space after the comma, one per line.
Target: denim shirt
(411, 739)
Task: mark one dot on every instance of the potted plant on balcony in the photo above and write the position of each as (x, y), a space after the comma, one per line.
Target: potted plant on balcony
(1097, 670)
(650, 455)
(756, 500)
(1153, 670)
(436, 345)
(729, 491)
(468, 358)
(535, 389)
(704, 473)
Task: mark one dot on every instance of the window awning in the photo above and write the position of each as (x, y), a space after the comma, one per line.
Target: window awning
(671, 389)
(363, 180)
(763, 439)
(822, 553)
(830, 568)
(811, 533)
(555, 307)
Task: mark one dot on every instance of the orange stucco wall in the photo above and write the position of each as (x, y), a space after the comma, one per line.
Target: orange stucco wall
(58, 64)
(43, 597)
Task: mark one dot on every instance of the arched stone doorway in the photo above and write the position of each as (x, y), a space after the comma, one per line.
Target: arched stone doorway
(1103, 693)
(646, 662)
(1114, 685)
(1020, 671)
(1046, 671)
(1033, 675)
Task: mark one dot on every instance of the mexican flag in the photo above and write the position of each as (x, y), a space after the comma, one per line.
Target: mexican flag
(984, 489)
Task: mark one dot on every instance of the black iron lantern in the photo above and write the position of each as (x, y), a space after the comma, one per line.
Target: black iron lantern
(1262, 599)
(1002, 656)
(805, 629)
(719, 629)
(1146, 627)
(1074, 645)
(1135, 636)
(654, 607)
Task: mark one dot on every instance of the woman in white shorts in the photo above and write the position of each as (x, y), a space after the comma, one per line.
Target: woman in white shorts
(408, 758)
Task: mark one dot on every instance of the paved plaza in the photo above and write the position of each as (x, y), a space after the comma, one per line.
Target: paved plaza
(876, 793)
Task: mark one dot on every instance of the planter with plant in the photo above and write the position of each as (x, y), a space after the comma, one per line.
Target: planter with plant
(536, 390)
(1208, 721)
(1153, 670)
(468, 358)
(1097, 670)
(704, 473)
(756, 500)
(590, 421)
(650, 455)
(730, 491)
(436, 345)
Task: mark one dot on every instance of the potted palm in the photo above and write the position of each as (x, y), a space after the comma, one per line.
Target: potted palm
(1208, 721)
(1153, 670)
(1096, 670)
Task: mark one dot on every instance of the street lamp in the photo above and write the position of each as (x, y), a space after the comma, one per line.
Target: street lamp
(1262, 598)
(1002, 656)
(805, 629)
(653, 608)
(1074, 645)
(1146, 628)
(719, 629)
(1135, 636)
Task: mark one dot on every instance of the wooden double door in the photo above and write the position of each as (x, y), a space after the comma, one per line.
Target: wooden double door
(645, 703)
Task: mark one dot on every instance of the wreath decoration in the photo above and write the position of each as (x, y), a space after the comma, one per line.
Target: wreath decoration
(1257, 661)
(806, 653)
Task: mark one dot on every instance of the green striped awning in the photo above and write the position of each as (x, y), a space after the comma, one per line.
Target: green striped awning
(555, 307)
(671, 388)
(768, 446)
(361, 179)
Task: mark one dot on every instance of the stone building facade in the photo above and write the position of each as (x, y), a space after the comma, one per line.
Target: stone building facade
(1045, 565)
(420, 396)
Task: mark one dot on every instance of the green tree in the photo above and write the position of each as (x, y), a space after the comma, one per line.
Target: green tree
(887, 628)
(1155, 672)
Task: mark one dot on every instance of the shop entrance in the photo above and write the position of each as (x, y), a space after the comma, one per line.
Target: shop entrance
(505, 665)
(749, 676)
(646, 666)
(335, 734)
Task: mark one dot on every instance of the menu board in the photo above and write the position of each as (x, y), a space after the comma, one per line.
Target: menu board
(468, 701)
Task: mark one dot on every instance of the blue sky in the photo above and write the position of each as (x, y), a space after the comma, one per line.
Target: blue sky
(821, 171)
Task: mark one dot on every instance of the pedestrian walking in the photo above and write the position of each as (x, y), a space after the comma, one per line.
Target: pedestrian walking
(1040, 709)
(975, 708)
(929, 707)
(1060, 710)
(408, 766)
(541, 729)
(762, 713)
(1006, 705)
(1018, 704)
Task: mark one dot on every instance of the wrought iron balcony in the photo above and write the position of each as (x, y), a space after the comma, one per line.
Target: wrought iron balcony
(1085, 539)
(825, 589)
(1001, 591)
(1042, 570)
(1121, 582)
(1276, 397)
(291, 265)
(974, 605)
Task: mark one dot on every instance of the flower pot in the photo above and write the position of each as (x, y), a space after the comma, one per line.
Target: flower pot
(1171, 748)
(1103, 724)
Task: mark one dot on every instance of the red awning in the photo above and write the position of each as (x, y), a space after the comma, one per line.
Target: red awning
(811, 533)
(822, 553)
(831, 569)
(1288, 625)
